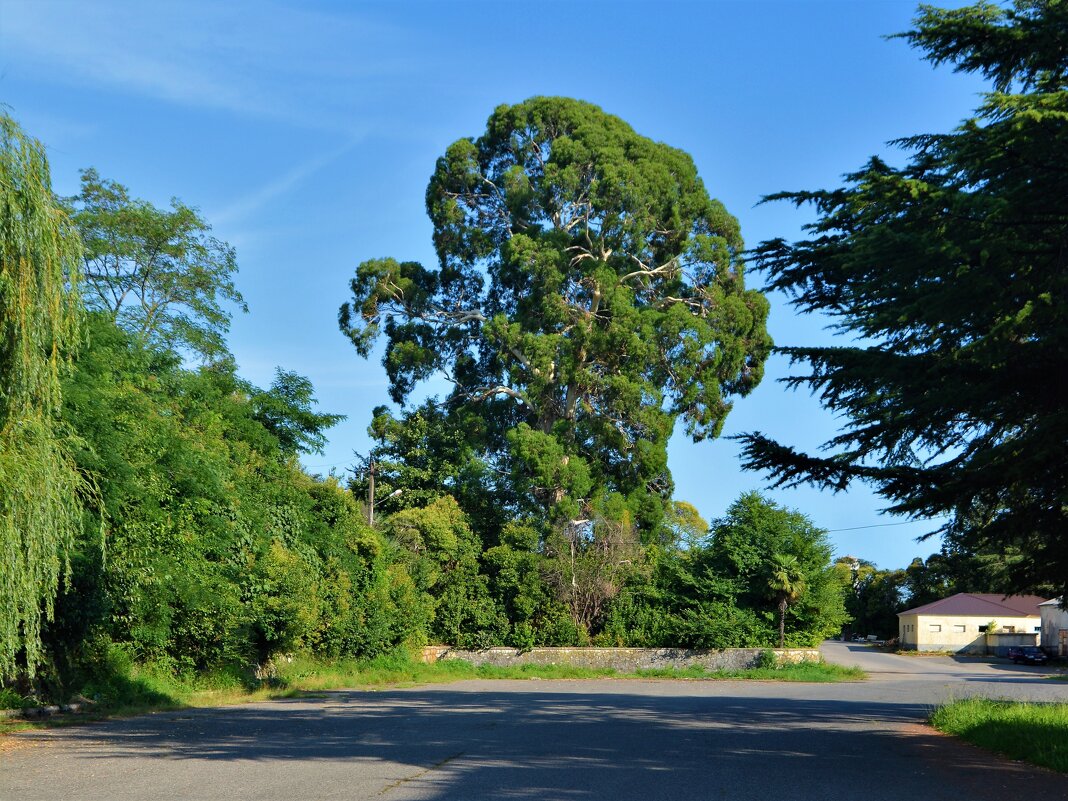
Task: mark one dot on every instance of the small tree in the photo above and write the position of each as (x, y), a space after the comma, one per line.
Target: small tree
(787, 582)
(159, 274)
(588, 561)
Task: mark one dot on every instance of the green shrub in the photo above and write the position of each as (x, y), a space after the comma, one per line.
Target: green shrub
(768, 660)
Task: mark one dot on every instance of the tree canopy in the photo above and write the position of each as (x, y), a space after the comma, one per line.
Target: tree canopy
(588, 293)
(952, 272)
(160, 274)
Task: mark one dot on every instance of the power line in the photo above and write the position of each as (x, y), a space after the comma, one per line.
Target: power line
(874, 525)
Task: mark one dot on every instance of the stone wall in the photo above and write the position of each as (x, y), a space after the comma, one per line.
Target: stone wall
(623, 660)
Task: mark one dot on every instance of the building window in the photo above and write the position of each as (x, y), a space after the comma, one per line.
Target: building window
(983, 629)
(934, 627)
(959, 629)
(1009, 629)
(1038, 628)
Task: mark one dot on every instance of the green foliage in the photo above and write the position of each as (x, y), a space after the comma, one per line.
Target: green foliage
(718, 593)
(874, 597)
(589, 561)
(684, 526)
(441, 554)
(159, 274)
(787, 582)
(588, 294)
(287, 411)
(743, 551)
(767, 660)
(221, 551)
(535, 504)
(1032, 732)
(952, 269)
(516, 569)
(40, 489)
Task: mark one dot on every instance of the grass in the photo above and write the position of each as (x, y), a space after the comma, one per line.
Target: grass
(1033, 732)
(137, 689)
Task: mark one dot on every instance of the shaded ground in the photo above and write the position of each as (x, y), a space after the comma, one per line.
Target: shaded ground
(615, 739)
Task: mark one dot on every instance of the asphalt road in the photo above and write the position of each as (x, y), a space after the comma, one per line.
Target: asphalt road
(613, 739)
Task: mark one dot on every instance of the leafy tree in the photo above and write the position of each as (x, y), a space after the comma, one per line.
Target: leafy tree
(927, 581)
(159, 274)
(873, 596)
(787, 582)
(441, 554)
(589, 292)
(430, 451)
(588, 561)
(287, 411)
(741, 562)
(221, 551)
(952, 270)
(684, 525)
(521, 582)
(715, 593)
(40, 509)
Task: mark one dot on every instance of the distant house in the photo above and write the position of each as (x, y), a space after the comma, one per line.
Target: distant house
(961, 623)
(1054, 627)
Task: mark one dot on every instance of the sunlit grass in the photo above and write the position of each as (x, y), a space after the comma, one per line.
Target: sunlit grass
(146, 688)
(1034, 732)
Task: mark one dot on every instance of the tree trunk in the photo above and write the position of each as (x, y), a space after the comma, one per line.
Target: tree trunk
(782, 623)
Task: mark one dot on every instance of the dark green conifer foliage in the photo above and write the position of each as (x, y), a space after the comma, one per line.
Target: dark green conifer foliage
(589, 292)
(955, 269)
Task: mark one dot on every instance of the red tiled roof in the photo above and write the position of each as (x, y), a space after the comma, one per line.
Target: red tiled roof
(988, 605)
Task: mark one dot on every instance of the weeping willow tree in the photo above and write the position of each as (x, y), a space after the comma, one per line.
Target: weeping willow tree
(39, 485)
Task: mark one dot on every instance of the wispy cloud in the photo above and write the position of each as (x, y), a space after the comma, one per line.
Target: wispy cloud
(243, 57)
(246, 205)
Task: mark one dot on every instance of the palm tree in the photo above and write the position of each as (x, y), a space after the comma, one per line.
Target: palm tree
(787, 584)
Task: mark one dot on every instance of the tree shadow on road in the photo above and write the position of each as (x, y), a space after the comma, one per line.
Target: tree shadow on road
(449, 743)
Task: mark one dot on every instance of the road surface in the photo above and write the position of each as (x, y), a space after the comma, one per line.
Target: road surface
(651, 740)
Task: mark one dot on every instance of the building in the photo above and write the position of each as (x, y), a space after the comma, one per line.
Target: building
(962, 622)
(1054, 627)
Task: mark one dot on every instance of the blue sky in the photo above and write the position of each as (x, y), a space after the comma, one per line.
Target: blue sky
(306, 132)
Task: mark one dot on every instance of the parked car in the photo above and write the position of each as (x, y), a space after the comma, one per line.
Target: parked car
(1031, 654)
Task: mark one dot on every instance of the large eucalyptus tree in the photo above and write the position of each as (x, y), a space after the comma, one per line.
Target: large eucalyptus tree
(588, 293)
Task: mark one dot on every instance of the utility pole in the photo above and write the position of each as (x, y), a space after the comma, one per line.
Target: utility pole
(369, 467)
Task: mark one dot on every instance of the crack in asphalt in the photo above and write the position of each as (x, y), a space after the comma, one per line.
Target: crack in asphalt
(420, 774)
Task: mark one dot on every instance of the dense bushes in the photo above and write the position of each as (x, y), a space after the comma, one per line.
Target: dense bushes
(219, 552)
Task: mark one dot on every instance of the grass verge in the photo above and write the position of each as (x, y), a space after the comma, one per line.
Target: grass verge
(140, 688)
(1033, 732)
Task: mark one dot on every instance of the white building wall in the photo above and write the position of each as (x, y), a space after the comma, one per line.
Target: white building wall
(1054, 621)
(958, 633)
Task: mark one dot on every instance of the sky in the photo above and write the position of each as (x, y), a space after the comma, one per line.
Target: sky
(305, 132)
